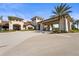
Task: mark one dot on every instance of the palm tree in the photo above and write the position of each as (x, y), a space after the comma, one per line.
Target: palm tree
(62, 11)
(77, 23)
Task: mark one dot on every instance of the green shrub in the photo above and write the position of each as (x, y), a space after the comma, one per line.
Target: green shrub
(7, 30)
(75, 30)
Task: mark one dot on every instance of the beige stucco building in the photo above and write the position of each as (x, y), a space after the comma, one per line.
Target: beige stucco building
(15, 25)
(54, 24)
(19, 23)
(38, 23)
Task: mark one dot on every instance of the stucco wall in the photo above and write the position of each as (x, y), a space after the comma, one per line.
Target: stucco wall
(62, 25)
(11, 23)
(65, 24)
(0, 21)
(29, 26)
(35, 22)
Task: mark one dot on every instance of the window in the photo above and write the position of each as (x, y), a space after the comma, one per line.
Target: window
(55, 25)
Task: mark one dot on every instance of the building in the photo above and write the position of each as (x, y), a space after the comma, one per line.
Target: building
(15, 23)
(35, 21)
(28, 25)
(38, 23)
(54, 24)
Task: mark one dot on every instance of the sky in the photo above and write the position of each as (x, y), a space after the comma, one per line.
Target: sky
(29, 10)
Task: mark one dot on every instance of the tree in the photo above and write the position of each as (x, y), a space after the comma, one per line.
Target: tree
(62, 11)
(14, 18)
(1, 17)
(73, 24)
(77, 23)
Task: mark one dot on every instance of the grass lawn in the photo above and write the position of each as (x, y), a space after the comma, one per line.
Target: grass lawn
(73, 31)
(2, 31)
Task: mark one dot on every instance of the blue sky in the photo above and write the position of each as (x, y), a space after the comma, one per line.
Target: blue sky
(28, 10)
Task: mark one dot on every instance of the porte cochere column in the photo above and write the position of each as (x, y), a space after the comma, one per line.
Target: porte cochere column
(63, 25)
(10, 25)
(66, 25)
(50, 27)
(41, 27)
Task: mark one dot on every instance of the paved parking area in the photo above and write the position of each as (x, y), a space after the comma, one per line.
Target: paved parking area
(10, 39)
(42, 44)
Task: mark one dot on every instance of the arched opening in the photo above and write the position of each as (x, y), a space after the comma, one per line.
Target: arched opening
(5, 26)
(38, 26)
(16, 27)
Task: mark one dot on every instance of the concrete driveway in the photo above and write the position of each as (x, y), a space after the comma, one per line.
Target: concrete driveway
(11, 39)
(41, 44)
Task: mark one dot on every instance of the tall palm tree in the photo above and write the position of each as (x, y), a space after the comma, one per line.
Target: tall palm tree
(62, 11)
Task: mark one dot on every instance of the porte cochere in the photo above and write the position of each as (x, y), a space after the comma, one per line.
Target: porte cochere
(54, 24)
